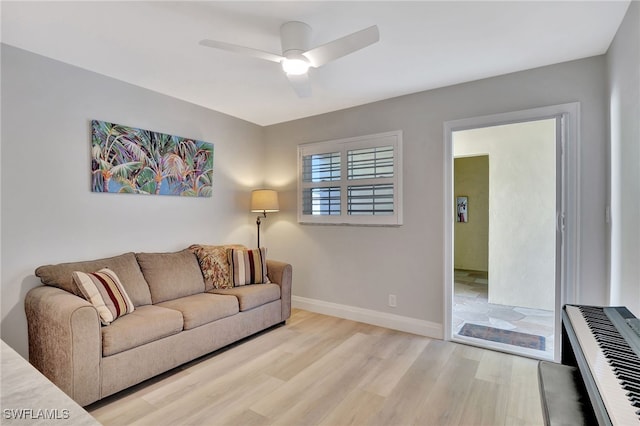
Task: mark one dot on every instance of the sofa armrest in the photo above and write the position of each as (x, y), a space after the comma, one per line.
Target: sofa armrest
(65, 341)
(281, 273)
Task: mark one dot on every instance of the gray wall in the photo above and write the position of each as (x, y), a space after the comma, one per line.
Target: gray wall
(360, 266)
(623, 66)
(49, 214)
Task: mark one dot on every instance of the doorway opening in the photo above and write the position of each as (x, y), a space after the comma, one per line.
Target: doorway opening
(507, 264)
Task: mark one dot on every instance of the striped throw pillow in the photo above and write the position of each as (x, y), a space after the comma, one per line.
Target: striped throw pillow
(248, 266)
(105, 292)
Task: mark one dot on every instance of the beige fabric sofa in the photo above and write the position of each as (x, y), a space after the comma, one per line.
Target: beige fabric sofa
(177, 318)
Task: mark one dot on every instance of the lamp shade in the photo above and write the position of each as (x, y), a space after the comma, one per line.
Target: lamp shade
(264, 200)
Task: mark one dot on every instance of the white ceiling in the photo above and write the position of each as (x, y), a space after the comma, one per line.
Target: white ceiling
(423, 45)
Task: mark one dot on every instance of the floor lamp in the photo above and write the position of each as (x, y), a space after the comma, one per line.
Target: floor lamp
(264, 201)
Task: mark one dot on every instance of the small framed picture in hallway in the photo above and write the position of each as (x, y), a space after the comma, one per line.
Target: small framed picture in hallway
(462, 214)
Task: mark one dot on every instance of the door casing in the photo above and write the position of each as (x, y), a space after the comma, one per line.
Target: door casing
(567, 202)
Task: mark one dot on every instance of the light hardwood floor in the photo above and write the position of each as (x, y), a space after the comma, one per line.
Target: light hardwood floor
(328, 371)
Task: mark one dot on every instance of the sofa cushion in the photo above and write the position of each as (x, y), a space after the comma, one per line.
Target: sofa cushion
(203, 308)
(248, 266)
(214, 264)
(125, 266)
(105, 292)
(171, 275)
(144, 325)
(252, 296)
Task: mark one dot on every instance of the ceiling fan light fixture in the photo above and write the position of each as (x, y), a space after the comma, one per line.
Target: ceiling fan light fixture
(298, 56)
(295, 65)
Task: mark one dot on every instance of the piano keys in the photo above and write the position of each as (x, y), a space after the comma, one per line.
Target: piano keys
(604, 344)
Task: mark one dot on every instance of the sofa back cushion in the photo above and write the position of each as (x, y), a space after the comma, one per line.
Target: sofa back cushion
(171, 275)
(125, 266)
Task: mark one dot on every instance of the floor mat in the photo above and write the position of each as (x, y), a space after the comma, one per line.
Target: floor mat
(509, 337)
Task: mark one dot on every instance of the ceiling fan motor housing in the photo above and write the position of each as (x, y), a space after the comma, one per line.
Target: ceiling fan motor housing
(295, 37)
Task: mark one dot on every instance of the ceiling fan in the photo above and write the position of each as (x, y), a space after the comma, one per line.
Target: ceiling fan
(297, 57)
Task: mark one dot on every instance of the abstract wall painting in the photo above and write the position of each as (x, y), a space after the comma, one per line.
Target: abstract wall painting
(130, 160)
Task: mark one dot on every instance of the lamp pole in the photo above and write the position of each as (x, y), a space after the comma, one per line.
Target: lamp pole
(263, 201)
(264, 213)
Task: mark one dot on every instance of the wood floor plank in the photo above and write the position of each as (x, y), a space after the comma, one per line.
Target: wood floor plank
(449, 389)
(324, 398)
(403, 405)
(321, 370)
(524, 398)
(482, 407)
(495, 367)
(235, 403)
(211, 380)
(384, 377)
(357, 408)
(303, 352)
(123, 412)
(320, 384)
(245, 418)
(130, 405)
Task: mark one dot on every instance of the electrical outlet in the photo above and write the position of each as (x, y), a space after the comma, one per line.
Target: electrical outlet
(392, 300)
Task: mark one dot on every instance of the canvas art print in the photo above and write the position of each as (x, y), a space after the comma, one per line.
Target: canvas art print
(129, 160)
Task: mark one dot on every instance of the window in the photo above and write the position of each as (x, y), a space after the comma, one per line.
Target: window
(356, 181)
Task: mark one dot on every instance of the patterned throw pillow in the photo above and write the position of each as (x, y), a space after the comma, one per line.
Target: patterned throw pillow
(214, 264)
(248, 266)
(105, 292)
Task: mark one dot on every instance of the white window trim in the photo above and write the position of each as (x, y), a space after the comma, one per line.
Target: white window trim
(394, 139)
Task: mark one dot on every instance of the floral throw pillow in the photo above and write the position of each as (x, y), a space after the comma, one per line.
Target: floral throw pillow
(214, 264)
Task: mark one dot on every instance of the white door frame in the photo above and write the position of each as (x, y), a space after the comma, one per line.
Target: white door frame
(568, 213)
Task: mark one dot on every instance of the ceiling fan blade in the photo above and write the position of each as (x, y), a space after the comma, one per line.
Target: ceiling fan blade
(300, 84)
(242, 50)
(328, 52)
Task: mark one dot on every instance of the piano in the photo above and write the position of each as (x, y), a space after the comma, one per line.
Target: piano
(601, 355)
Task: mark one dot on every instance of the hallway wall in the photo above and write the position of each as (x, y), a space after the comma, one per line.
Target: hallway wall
(471, 239)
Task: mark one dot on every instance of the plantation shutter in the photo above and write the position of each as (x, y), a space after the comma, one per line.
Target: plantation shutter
(351, 181)
(370, 164)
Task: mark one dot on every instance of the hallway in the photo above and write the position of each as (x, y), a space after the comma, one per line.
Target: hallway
(471, 306)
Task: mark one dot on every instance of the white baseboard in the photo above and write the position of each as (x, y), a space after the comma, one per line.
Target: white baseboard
(368, 316)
